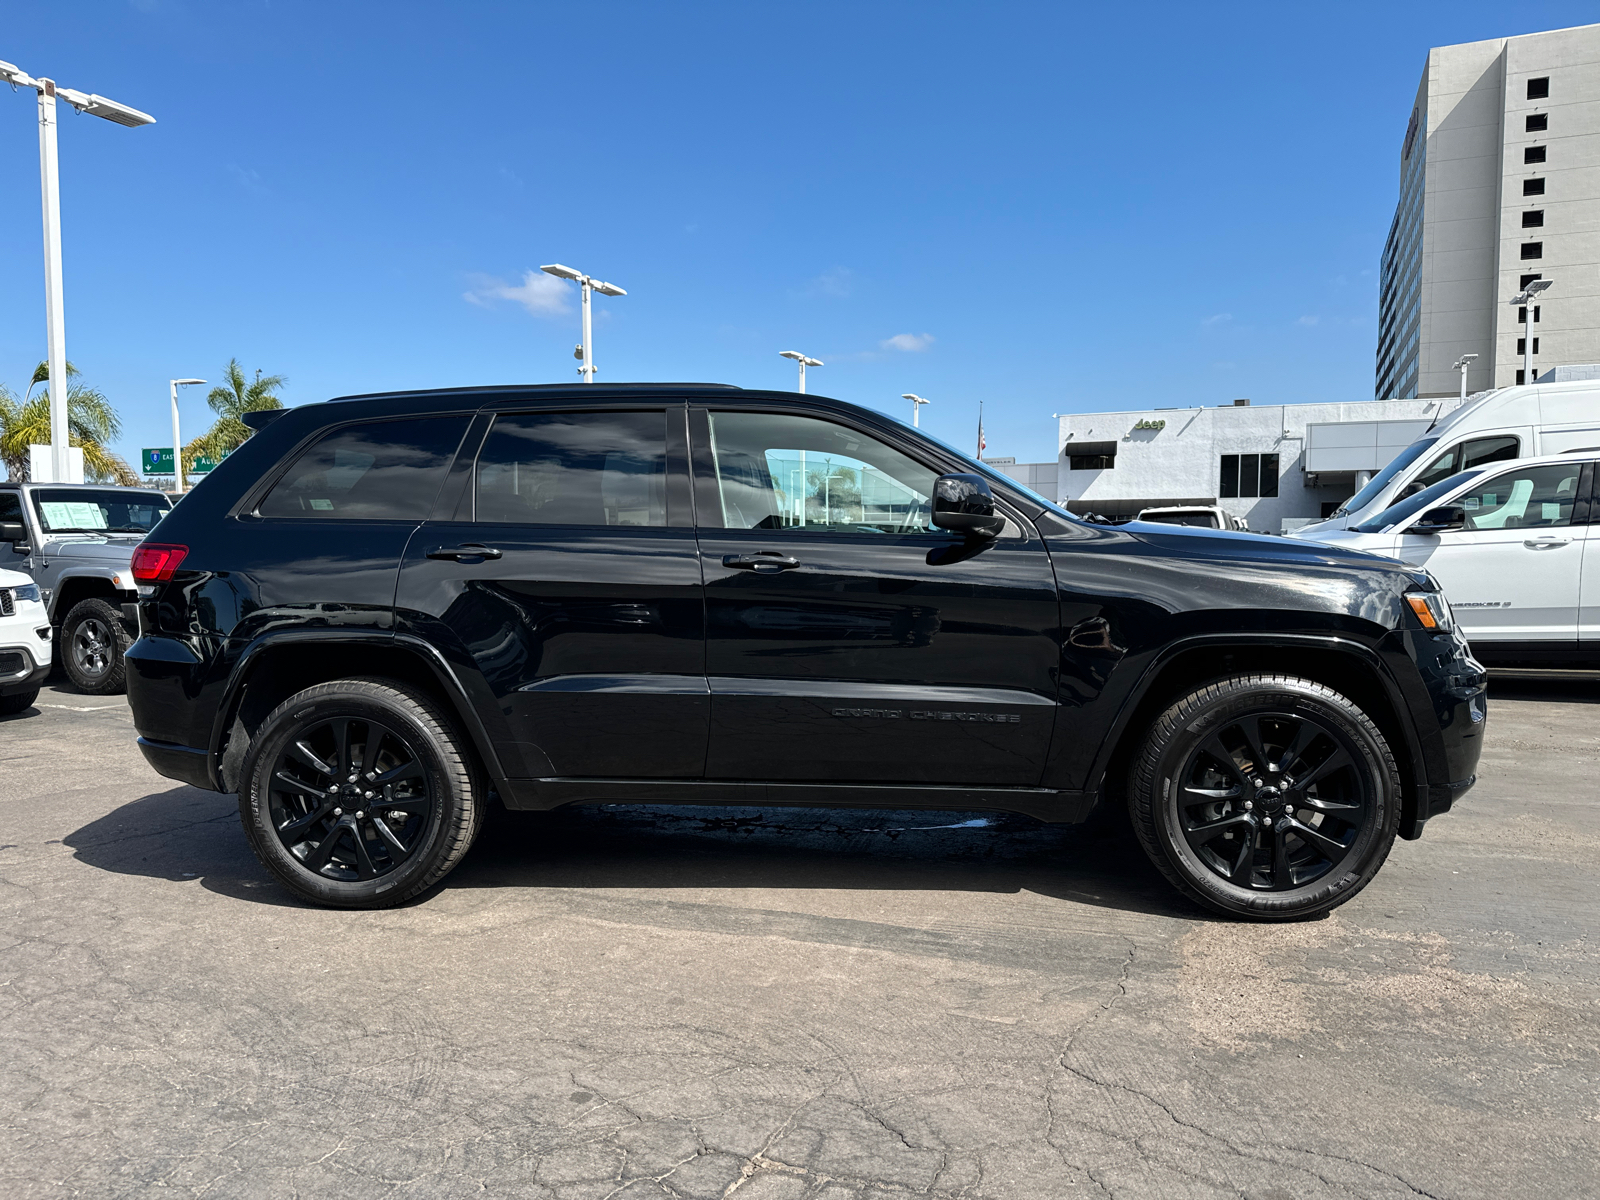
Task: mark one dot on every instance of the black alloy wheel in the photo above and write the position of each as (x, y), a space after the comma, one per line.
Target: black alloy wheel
(1266, 796)
(1273, 800)
(92, 642)
(349, 798)
(360, 793)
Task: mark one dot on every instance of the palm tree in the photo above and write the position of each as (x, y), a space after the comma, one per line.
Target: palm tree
(92, 425)
(230, 402)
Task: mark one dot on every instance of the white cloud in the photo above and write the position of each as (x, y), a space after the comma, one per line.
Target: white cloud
(1308, 320)
(910, 342)
(835, 281)
(542, 295)
(1218, 319)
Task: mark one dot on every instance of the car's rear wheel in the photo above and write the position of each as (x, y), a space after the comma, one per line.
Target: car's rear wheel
(359, 794)
(93, 640)
(1266, 797)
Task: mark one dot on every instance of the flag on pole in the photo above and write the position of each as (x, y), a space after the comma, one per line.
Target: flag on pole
(982, 442)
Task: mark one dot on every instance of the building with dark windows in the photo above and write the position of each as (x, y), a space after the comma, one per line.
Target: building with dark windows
(1275, 467)
(1499, 186)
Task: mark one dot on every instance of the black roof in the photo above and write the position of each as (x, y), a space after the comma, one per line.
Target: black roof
(518, 389)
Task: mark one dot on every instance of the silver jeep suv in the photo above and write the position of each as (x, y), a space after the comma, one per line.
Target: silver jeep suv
(75, 541)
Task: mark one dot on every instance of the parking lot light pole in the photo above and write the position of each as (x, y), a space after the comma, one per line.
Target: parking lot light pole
(177, 442)
(588, 285)
(916, 407)
(1525, 299)
(50, 196)
(1461, 364)
(804, 363)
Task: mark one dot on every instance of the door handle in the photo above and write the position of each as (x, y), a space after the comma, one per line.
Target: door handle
(765, 561)
(463, 553)
(1545, 543)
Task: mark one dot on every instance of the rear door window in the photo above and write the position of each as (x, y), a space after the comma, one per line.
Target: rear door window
(375, 471)
(582, 468)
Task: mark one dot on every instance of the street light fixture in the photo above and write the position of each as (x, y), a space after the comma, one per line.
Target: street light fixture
(1526, 297)
(177, 442)
(916, 406)
(585, 347)
(804, 363)
(50, 198)
(1461, 365)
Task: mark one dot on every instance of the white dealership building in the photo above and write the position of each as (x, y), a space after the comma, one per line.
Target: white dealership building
(1275, 466)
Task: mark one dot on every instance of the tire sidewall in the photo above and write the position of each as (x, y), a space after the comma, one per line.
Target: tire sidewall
(1372, 842)
(288, 722)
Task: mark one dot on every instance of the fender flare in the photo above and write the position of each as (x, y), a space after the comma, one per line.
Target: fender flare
(57, 613)
(1368, 655)
(416, 648)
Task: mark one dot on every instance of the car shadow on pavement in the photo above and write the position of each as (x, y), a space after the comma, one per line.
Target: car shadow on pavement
(186, 835)
(686, 847)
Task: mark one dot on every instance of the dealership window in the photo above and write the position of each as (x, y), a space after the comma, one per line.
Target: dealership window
(1247, 476)
(1522, 345)
(1533, 154)
(1522, 314)
(1533, 187)
(1537, 123)
(1532, 250)
(1091, 462)
(1533, 219)
(1526, 280)
(1539, 89)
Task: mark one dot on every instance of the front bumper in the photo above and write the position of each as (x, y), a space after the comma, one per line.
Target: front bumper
(1451, 715)
(23, 667)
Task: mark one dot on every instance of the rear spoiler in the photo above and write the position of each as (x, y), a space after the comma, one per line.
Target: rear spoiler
(260, 418)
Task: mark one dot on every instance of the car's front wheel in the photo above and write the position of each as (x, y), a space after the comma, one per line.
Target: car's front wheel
(359, 794)
(93, 640)
(1266, 797)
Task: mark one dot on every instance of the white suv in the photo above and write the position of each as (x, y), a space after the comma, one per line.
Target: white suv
(24, 642)
(1516, 546)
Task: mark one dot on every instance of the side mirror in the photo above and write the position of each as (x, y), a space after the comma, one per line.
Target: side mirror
(14, 532)
(964, 504)
(1441, 520)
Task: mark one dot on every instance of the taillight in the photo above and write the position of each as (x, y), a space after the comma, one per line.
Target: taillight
(155, 563)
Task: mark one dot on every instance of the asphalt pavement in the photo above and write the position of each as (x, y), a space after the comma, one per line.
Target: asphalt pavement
(653, 1002)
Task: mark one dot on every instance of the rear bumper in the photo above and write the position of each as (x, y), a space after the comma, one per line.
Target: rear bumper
(183, 763)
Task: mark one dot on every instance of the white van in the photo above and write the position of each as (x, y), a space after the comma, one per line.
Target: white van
(1516, 547)
(1514, 422)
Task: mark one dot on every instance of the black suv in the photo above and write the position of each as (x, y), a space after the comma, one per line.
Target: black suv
(383, 610)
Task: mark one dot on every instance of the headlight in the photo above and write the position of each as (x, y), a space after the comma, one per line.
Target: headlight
(1432, 609)
(28, 591)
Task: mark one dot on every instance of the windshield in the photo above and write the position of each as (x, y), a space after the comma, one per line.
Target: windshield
(89, 510)
(1200, 520)
(1399, 514)
(1381, 480)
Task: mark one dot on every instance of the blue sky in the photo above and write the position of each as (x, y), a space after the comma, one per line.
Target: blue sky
(1048, 207)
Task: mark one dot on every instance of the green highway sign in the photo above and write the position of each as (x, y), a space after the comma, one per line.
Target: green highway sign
(159, 462)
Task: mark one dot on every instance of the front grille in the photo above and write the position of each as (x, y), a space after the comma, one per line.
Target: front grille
(8, 604)
(12, 664)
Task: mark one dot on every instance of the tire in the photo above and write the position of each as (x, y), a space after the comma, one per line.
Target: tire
(17, 702)
(1283, 843)
(93, 642)
(319, 844)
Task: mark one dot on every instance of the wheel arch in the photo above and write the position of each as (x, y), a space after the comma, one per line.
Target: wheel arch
(1352, 668)
(73, 589)
(275, 667)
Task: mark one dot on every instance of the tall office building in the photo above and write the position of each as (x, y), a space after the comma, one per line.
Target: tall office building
(1499, 185)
